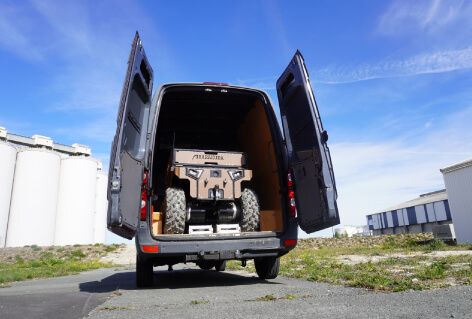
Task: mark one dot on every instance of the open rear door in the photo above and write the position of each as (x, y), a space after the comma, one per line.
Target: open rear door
(309, 157)
(129, 145)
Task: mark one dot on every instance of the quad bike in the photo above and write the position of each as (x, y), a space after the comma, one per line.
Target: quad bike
(205, 194)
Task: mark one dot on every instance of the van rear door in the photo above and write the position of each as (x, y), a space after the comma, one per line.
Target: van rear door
(312, 171)
(129, 145)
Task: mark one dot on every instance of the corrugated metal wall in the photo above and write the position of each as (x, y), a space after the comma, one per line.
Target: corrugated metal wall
(438, 211)
(420, 214)
(459, 191)
(430, 212)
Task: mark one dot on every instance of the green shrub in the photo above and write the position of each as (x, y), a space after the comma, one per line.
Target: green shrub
(435, 244)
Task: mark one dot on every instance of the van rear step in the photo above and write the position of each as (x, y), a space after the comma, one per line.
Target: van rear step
(200, 229)
(208, 229)
(228, 229)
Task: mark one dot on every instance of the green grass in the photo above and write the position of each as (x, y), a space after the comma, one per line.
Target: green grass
(112, 248)
(271, 297)
(51, 262)
(199, 302)
(35, 248)
(390, 263)
(114, 308)
(265, 298)
(77, 253)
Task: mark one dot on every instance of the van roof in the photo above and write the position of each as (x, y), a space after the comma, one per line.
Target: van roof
(221, 85)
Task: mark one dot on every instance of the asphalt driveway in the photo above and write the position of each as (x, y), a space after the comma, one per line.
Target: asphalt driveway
(192, 293)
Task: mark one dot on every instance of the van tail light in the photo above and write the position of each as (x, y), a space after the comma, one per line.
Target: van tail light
(291, 196)
(290, 243)
(289, 181)
(150, 248)
(144, 196)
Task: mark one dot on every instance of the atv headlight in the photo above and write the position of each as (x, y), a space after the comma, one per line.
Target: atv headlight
(236, 174)
(194, 172)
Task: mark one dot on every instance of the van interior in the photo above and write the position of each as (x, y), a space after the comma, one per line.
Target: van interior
(220, 120)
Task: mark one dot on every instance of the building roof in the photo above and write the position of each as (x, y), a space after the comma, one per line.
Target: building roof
(43, 141)
(427, 198)
(456, 167)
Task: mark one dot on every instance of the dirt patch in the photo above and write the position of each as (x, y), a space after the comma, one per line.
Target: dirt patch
(386, 263)
(123, 256)
(13, 254)
(365, 242)
(22, 263)
(357, 259)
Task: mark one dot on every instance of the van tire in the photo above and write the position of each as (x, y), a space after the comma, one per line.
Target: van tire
(267, 267)
(205, 264)
(220, 265)
(174, 211)
(144, 273)
(250, 211)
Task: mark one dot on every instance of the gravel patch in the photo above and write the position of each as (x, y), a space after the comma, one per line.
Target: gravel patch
(357, 259)
(123, 256)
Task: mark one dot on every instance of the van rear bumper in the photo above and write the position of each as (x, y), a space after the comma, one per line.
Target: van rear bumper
(214, 249)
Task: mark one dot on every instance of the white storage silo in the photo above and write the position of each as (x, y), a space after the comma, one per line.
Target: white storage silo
(101, 207)
(7, 170)
(76, 201)
(34, 198)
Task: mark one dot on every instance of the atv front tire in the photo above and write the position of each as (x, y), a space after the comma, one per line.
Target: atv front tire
(174, 211)
(250, 211)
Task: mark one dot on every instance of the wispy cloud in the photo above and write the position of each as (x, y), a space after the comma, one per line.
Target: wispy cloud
(424, 16)
(14, 125)
(274, 18)
(70, 22)
(99, 130)
(85, 53)
(420, 64)
(425, 63)
(374, 175)
(85, 77)
(14, 29)
(262, 83)
(82, 50)
(92, 91)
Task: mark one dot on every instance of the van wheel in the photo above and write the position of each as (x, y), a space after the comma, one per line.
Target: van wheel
(250, 211)
(267, 267)
(220, 265)
(205, 264)
(174, 211)
(144, 273)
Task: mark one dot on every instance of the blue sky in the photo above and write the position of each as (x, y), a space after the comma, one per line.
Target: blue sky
(392, 78)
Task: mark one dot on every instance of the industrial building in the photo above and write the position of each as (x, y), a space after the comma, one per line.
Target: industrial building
(458, 181)
(50, 193)
(414, 216)
(351, 231)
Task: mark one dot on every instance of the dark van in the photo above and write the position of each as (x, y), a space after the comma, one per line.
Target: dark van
(202, 172)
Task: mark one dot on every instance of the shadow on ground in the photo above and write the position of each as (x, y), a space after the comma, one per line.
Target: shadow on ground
(187, 278)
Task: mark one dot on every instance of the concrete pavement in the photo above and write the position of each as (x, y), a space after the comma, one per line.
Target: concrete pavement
(192, 293)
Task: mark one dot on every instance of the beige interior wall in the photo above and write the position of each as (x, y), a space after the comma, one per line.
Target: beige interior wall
(256, 139)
